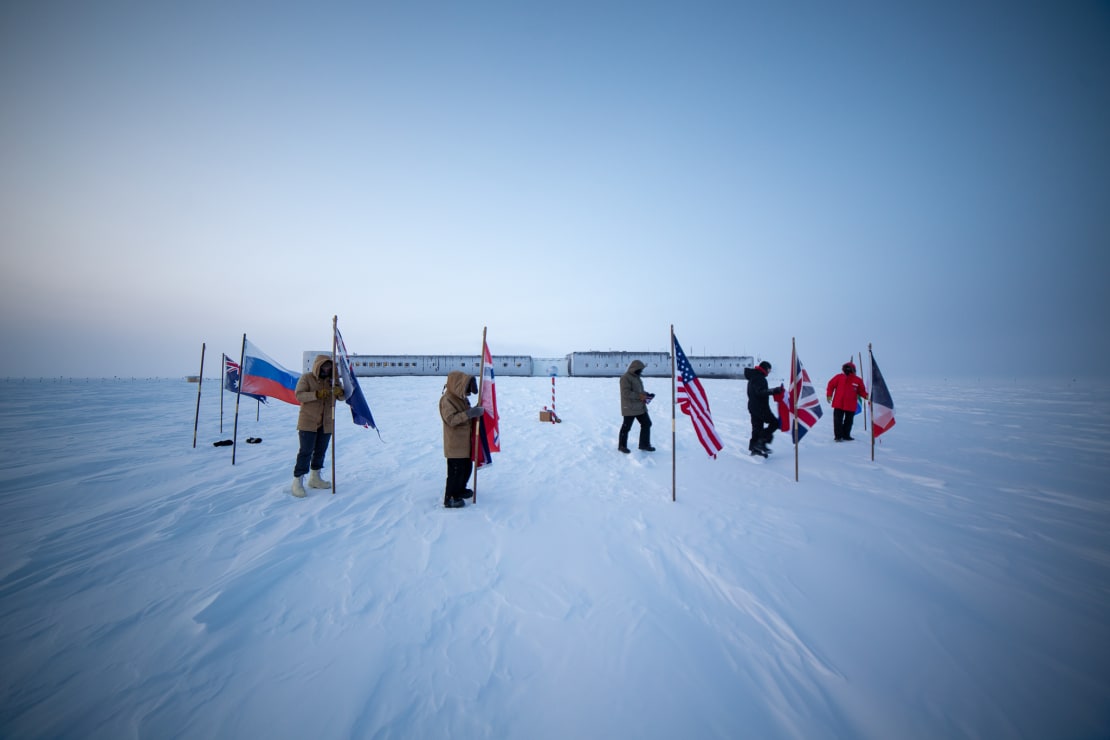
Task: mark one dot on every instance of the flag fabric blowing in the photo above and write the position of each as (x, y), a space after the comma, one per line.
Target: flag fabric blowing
(360, 408)
(882, 405)
(264, 377)
(693, 402)
(231, 379)
(804, 402)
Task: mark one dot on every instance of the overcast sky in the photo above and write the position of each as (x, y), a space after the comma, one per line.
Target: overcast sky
(573, 175)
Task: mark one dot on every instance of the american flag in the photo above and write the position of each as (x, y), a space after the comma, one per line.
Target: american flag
(804, 403)
(694, 403)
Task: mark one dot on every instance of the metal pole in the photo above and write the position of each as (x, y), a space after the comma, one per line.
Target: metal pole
(200, 382)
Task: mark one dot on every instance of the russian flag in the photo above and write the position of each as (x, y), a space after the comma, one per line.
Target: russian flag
(264, 377)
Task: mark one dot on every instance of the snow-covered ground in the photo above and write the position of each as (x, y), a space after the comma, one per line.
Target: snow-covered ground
(957, 586)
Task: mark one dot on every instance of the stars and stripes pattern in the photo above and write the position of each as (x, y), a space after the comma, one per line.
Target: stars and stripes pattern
(694, 403)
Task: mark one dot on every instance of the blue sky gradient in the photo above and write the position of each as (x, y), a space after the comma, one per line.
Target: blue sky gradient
(933, 178)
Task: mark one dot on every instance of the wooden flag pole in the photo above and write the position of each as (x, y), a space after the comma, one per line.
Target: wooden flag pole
(795, 392)
(674, 401)
(869, 397)
(870, 404)
(223, 384)
(238, 394)
(334, 425)
(476, 446)
(200, 382)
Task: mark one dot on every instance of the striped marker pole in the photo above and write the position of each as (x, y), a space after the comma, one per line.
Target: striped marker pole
(552, 399)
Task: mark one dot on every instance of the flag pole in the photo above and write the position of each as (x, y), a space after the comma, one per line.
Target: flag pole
(200, 382)
(334, 425)
(795, 391)
(238, 393)
(870, 404)
(674, 400)
(476, 443)
(223, 384)
(868, 383)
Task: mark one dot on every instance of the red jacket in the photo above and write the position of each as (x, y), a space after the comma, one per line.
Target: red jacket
(843, 390)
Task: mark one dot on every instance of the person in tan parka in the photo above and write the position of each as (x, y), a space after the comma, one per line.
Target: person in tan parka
(315, 422)
(634, 403)
(458, 434)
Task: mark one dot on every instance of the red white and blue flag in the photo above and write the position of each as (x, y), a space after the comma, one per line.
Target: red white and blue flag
(694, 403)
(360, 409)
(231, 379)
(262, 376)
(882, 405)
(803, 403)
(489, 423)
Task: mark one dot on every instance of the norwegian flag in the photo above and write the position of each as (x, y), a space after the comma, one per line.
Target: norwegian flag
(489, 434)
(803, 402)
(694, 403)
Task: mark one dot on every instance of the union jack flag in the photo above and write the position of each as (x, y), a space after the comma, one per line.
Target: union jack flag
(803, 402)
(694, 403)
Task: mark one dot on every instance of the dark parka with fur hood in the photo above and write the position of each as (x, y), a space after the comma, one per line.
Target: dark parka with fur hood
(632, 391)
(316, 412)
(458, 431)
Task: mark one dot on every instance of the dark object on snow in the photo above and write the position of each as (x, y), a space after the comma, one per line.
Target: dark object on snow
(223, 443)
(253, 440)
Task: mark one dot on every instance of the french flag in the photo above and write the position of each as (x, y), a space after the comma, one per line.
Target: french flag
(264, 377)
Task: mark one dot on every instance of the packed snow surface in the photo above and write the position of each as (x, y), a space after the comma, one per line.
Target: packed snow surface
(956, 586)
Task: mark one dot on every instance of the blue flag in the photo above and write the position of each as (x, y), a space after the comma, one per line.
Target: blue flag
(360, 409)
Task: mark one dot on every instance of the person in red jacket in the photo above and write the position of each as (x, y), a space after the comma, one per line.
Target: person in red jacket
(843, 393)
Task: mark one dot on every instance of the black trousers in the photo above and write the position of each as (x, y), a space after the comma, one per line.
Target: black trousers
(458, 473)
(764, 425)
(314, 445)
(842, 423)
(645, 430)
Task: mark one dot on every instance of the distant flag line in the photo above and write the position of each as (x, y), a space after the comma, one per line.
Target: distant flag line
(259, 376)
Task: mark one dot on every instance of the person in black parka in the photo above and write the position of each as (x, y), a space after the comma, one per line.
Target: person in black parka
(764, 422)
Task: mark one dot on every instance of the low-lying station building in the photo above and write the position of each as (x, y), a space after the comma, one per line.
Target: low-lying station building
(577, 364)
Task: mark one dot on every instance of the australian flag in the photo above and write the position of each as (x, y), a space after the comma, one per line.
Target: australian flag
(231, 379)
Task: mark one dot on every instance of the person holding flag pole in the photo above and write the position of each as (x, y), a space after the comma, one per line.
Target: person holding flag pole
(487, 432)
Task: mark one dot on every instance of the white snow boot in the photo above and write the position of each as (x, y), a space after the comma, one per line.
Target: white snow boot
(315, 481)
(298, 486)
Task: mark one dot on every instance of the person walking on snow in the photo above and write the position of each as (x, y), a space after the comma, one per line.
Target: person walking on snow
(316, 390)
(459, 418)
(842, 394)
(634, 403)
(764, 422)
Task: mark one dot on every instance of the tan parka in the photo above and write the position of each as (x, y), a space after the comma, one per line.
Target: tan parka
(632, 391)
(316, 412)
(458, 432)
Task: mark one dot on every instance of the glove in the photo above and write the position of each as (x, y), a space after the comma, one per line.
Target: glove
(828, 399)
(323, 393)
(780, 389)
(338, 390)
(474, 412)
